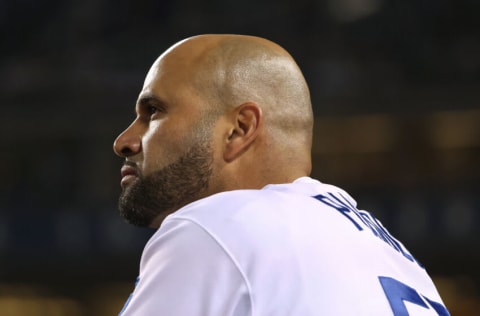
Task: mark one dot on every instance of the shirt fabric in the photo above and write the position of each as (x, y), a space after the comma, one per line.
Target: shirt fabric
(297, 249)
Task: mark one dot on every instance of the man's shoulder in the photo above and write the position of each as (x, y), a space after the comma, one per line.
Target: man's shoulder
(273, 196)
(227, 203)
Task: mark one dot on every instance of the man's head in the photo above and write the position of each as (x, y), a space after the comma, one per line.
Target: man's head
(216, 113)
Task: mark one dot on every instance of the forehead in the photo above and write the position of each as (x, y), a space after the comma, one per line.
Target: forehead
(169, 80)
(183, 74)
(178, 59)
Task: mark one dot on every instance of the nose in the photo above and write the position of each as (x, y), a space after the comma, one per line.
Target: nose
(128, 143)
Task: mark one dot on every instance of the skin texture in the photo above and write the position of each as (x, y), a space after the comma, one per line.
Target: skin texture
(216, 113)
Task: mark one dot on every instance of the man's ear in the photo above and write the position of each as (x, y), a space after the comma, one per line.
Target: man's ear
(248, 118)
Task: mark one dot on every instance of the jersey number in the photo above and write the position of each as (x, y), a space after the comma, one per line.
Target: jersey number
(398, 293)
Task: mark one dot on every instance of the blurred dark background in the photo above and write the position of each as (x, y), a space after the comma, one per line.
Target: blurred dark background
(396, 91)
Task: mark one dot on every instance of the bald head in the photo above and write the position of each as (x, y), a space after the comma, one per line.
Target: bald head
(237, 69)
(227, 71)
(233, 69)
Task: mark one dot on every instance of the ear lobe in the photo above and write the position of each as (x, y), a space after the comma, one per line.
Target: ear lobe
(248, 120)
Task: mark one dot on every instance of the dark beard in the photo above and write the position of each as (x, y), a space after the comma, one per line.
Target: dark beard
(167, 189)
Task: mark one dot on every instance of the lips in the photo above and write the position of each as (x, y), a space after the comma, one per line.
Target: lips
(129, 173)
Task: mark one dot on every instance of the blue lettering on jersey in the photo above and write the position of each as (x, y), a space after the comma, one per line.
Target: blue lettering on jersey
(398, 293)
(362, 219)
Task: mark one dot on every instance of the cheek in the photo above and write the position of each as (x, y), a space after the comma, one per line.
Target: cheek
(160, 148)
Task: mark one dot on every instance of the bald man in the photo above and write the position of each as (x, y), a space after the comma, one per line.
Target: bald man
(218, 160)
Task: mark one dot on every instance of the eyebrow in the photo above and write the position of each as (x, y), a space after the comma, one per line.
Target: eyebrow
(150, 99)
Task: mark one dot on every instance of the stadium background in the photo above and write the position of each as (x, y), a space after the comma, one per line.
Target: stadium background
(396, 92)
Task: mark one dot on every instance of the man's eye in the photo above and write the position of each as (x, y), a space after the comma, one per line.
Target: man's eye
(152, 110)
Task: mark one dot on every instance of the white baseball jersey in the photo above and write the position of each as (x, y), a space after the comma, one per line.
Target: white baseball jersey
(297, 249)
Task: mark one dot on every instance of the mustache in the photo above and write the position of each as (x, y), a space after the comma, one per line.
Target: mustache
(132, 166)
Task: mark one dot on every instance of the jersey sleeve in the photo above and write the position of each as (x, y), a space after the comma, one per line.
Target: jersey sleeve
(186, 271)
